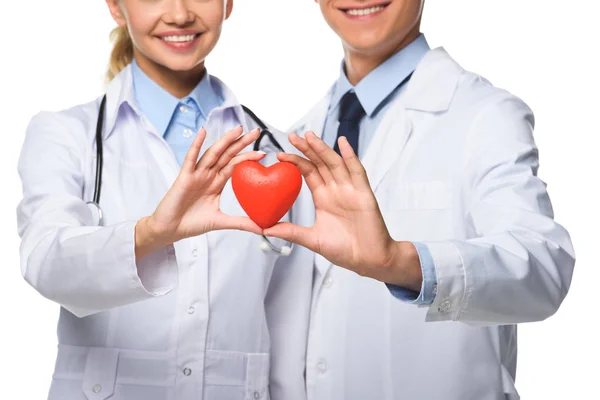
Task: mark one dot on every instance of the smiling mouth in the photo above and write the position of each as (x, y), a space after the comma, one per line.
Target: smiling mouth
(179, 38)
(361, 12)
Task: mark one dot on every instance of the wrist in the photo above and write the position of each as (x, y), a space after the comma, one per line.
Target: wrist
(404, 267)
(148, 238)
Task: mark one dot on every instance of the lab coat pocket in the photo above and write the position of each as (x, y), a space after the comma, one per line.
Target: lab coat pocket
(257, 377)
(100, 373)
(431, 195)
(417, 210)
(236, 376)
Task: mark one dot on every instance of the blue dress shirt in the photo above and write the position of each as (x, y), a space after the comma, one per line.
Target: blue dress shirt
(178, 120)
(376, 92)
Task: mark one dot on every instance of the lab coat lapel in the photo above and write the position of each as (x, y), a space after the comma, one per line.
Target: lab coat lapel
(430, 90)
(387, 144)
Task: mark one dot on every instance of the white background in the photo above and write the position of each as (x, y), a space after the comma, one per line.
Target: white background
(279, 57)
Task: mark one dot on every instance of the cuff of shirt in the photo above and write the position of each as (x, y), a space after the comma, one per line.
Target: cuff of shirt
(429, 285)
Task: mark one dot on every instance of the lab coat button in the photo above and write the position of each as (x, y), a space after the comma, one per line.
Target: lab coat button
(256, 395)
(187, 133)
(444, 307)
(187, 371)
(96, 388)
(321, 366)
(191, 310)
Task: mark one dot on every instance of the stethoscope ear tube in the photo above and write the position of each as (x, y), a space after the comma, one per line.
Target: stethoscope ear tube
(264, 131)
(99, 152)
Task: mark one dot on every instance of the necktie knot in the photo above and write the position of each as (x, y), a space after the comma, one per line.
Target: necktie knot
(350, 108)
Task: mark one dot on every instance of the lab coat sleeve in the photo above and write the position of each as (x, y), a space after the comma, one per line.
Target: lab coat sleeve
(518, 262)
(84, 268)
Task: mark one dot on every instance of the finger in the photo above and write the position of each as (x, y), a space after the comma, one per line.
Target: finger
(239, 223)
(334, 162)
(226, 172)
(302, 145)
(308, 170)
(211, 156)
(191, 158)
(357, 171)
(300, 235)
(236, 147)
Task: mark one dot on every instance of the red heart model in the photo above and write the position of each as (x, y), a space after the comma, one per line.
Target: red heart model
(266, 193)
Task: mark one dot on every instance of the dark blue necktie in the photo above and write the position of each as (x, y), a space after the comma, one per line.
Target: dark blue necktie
(351, 113)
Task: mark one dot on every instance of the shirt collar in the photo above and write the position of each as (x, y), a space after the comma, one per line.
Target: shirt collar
(374, 88)
(158, 105)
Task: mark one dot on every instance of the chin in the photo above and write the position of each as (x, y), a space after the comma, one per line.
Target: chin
(181, 65)
(365, 44)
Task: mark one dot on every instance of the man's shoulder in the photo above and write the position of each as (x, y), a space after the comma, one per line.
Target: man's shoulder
(475, 93)
(305, 123)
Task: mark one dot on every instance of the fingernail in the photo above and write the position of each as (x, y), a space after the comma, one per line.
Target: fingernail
(261, 152)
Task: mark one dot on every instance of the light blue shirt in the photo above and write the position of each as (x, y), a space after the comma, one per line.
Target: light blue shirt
(376, 92)
(178, 120)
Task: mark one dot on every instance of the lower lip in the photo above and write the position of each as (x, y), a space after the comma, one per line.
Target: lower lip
(365, 17)
(181, 46)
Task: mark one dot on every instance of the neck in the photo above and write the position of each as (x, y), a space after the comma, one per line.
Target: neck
(359, 64)
(177, 83)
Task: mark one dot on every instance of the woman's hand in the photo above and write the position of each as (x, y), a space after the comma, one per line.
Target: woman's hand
(191, 206)
(349, 229)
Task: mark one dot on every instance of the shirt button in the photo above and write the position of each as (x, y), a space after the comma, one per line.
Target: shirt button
(183, 109)
(328, 282)
(191, 310)
(195, 252)
(187, 371)
(444, 307)
(187, 133)
(321, 366)
(96, 388)
(434, 291)
(256, 395)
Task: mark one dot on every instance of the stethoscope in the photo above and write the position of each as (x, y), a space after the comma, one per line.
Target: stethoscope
(94, 205)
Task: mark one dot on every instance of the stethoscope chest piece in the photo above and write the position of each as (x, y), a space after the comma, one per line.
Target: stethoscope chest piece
(96, 213)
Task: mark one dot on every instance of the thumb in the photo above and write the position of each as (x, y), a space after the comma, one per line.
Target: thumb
(297, 234)
(240, 223)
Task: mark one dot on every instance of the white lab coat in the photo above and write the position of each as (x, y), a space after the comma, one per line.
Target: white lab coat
(453, 164)
(200, 318)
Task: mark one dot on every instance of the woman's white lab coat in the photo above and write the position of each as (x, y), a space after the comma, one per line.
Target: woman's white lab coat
(192, 321)
(453, 164)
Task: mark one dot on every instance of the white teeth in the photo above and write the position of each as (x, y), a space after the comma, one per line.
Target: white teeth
(186, 38)
(365, 11)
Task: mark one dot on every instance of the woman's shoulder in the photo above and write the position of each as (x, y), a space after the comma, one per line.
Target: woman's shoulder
(71, 124)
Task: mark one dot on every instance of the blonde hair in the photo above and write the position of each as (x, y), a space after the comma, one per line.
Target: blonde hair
(122, 52)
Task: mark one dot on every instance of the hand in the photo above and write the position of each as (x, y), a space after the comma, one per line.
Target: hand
(349, 229)
(191, 206)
